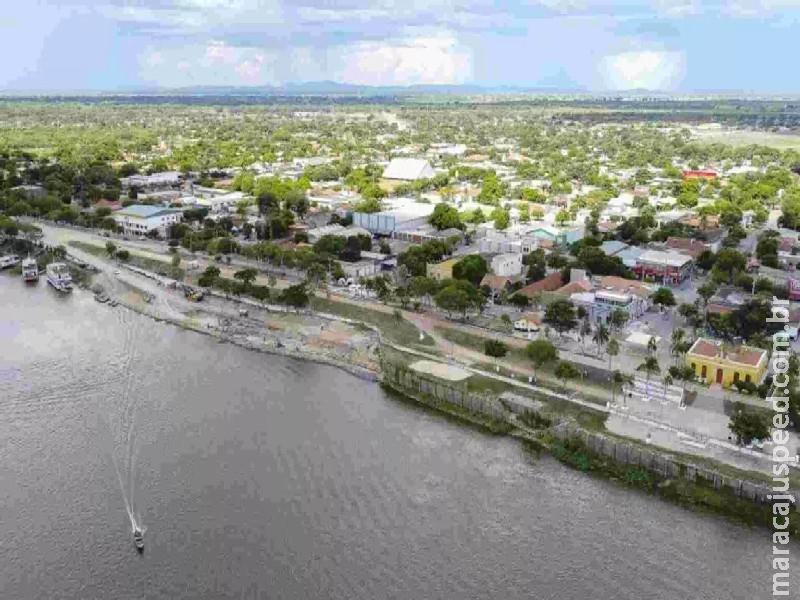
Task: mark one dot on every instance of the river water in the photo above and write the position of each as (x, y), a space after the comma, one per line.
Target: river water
(264, 477)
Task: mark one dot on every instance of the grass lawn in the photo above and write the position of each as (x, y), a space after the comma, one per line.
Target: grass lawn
(397, 330)
(162, 267)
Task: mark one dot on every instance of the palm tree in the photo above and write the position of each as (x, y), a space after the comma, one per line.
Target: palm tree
(585, 329)
(652, 346)
(601, 336)
(612, 349)
(618, 381)
(649, 366)
(678, 337)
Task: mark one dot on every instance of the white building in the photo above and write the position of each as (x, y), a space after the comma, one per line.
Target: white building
(156, 180)
(361, 268)
(408, 169)
(140, 219)
(507, 265)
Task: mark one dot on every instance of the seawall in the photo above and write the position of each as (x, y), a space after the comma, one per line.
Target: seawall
(674, 478)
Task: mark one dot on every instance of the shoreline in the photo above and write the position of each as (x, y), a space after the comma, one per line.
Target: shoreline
(711, 503)
(355, 370)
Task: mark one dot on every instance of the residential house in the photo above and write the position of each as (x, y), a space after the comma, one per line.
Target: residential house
(727, 300)
(666, 267)
(140, 219)
(601, 304)
(502, 242)
(558, 235)
(713, 362)
(689, 246)
(630, 255)
(507, 265)
(528, 322)
(575, 287)
(362, 268)
(497, 283)
(612, 247)
(549, 284)
(165, 179)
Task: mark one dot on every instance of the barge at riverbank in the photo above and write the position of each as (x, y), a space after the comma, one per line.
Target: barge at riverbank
(58, 276)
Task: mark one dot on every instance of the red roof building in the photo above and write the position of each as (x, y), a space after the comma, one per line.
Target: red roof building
(699, 174)
(549, 284)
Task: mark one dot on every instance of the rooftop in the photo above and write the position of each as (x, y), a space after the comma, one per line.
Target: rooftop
(672, 259)
(143, 211)
(744, 355)
(408, 169)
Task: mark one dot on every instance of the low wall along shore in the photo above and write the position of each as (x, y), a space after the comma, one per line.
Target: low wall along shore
(672, 477)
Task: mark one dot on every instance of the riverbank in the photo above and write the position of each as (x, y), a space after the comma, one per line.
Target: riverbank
(279, 331)
(582, 443)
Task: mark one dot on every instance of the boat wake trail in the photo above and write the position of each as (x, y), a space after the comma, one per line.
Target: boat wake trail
(122, 424)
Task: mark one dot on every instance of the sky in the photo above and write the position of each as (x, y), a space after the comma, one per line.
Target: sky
(597, 45)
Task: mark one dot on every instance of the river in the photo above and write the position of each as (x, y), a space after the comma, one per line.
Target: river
(264, 477)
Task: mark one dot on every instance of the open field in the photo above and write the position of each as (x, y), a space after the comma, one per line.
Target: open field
(749, 138)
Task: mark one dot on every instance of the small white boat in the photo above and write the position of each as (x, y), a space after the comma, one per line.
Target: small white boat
(9, 260)
(30, 270)
(138, 539)
(58, 276)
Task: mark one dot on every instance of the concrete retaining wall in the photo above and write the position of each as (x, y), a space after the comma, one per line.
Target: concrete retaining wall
(665, 465)
(433, 391)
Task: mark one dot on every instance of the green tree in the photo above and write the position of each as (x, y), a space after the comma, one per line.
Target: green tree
(563, 216)
(246, 276)
(295, 296)
(472, 268)
(560, 315)
(748, 424)
(565, 371)
(612, 350)
(663, 297)
(495, 348)
(650, 366)
(111, 248)
(618, 318)
(209, 277)
(452, 299)
(501, 218)
(537, 266)
(618, 381)
(601, 336)
(445, 216)
(541, 352)
(706, 291)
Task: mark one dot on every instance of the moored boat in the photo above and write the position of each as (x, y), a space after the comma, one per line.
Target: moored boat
(9, 260)
(30, 270)
(58, 276)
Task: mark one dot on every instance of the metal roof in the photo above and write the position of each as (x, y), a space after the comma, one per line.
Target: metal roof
(408, 169)
(143, 211)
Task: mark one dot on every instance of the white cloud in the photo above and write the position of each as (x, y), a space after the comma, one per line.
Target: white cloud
(218, 51)
(757, 9)
(677, 9)
(647, 69)
(421, 60)
(216, 63)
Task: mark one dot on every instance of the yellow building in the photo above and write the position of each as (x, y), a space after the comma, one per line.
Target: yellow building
(713, 363)
(442, 270)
